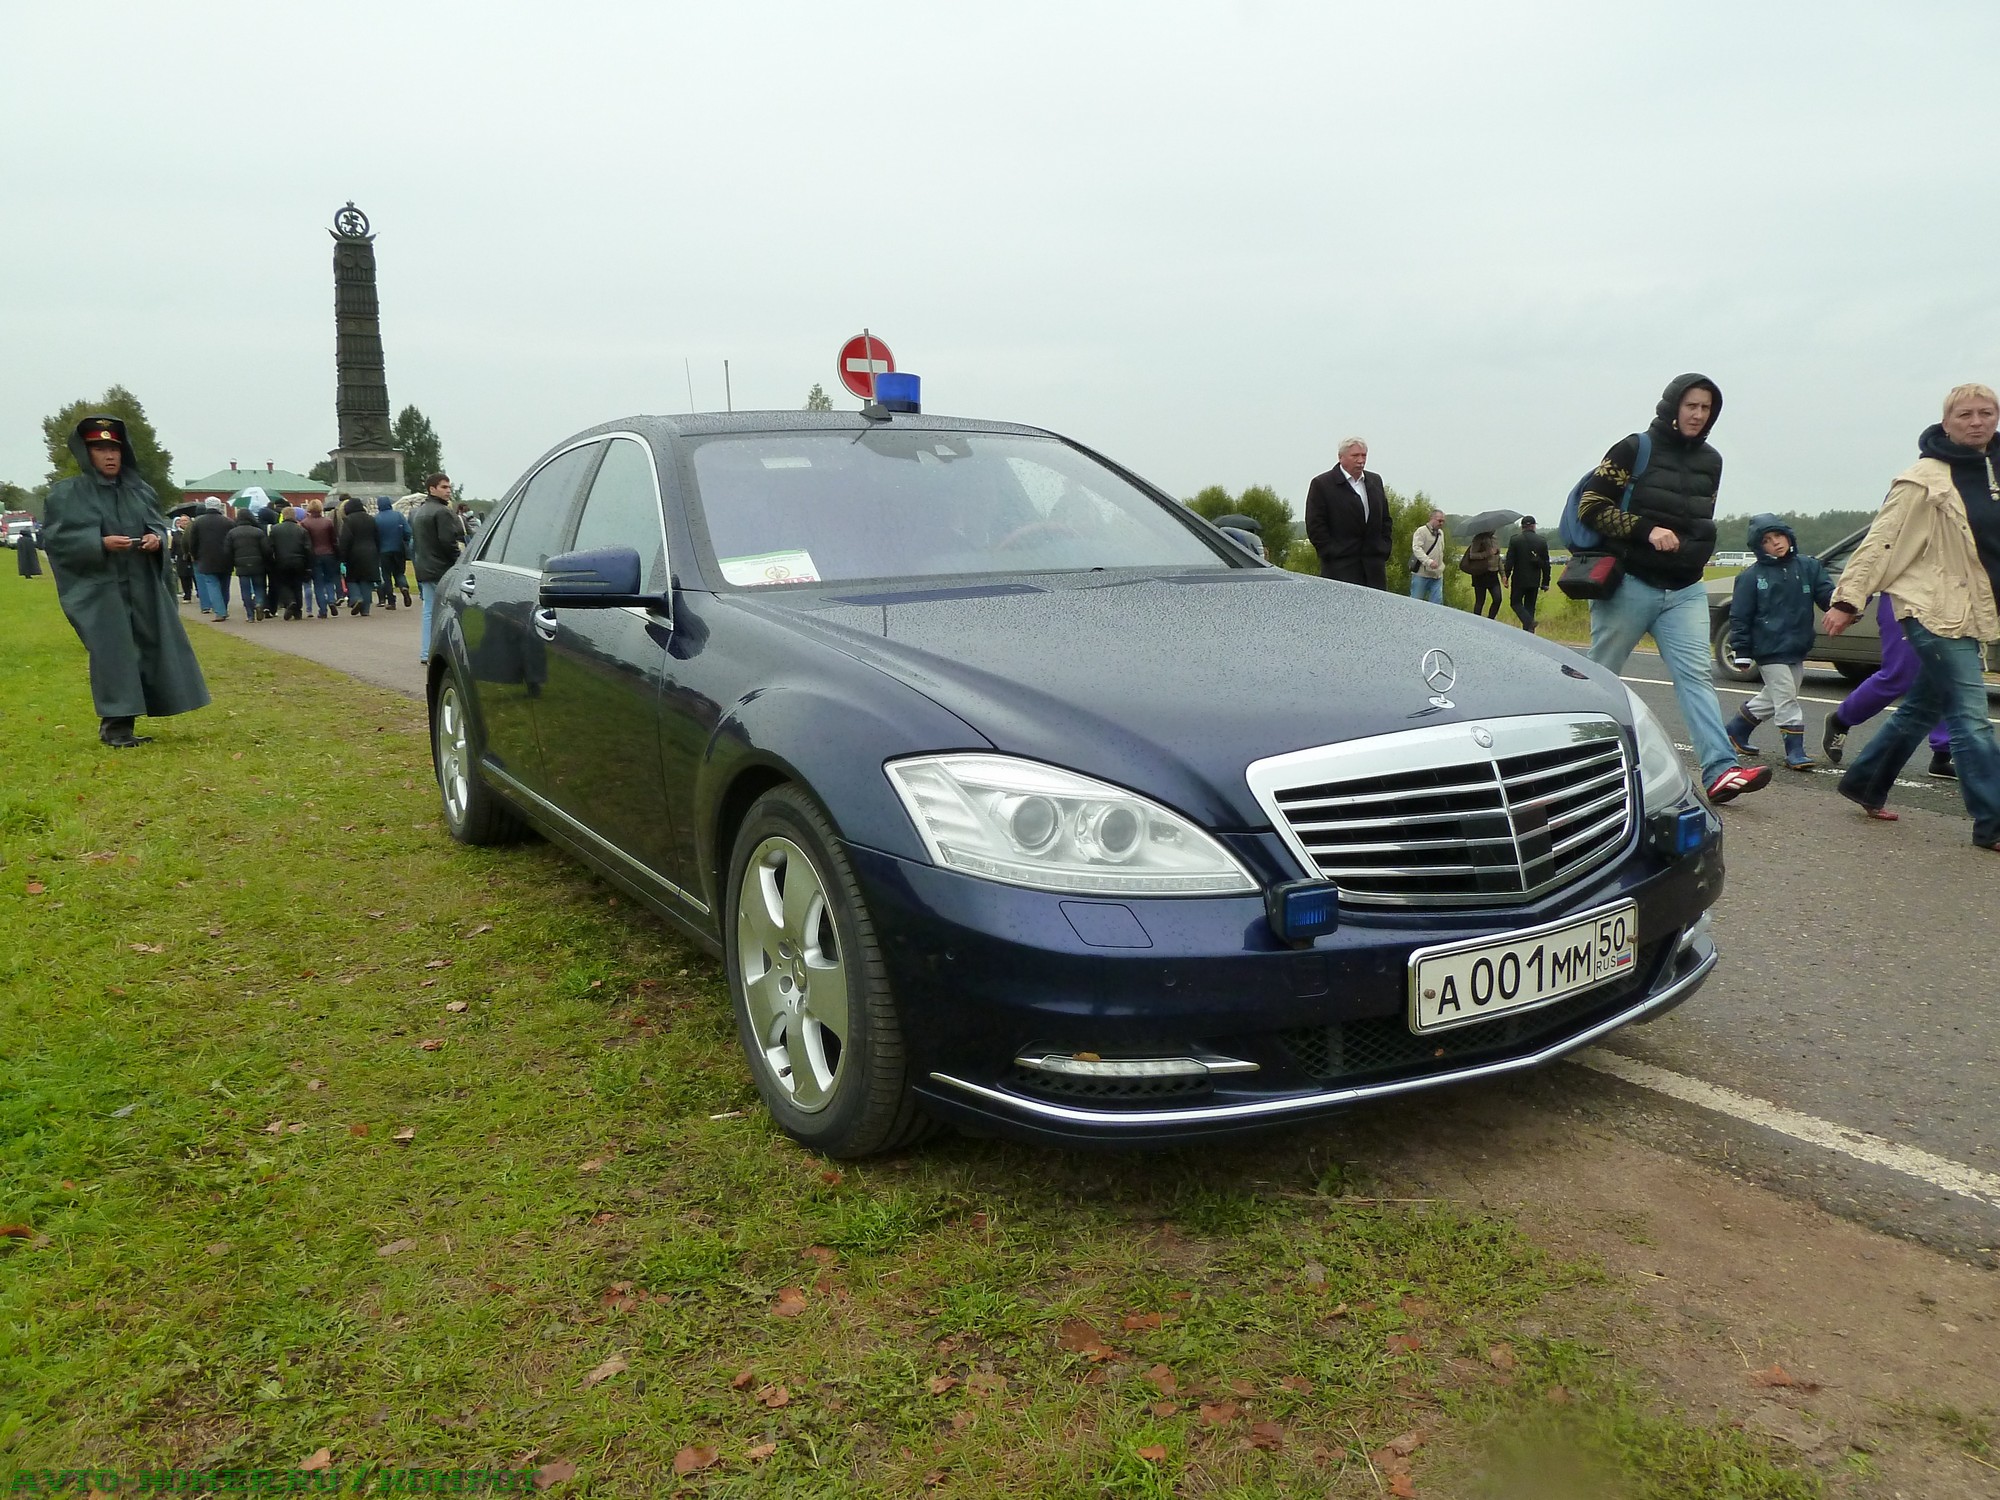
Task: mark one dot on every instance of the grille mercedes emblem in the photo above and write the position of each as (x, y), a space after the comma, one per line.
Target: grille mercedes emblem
(1482, 737)
(1440, 674)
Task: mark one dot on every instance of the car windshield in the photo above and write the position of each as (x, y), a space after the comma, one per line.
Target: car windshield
(813, 507)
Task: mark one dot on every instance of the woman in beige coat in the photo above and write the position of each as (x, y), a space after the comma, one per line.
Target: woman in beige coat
(1935, 549)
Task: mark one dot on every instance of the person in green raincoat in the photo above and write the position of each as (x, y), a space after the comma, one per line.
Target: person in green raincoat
(107, 546)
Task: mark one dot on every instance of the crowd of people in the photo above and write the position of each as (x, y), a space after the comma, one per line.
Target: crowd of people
(1931, 560)
(316, 560)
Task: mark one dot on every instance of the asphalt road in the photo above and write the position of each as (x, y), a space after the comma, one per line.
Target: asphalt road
(1860, 986)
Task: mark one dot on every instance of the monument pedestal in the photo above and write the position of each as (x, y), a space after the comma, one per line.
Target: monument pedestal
(368, 472)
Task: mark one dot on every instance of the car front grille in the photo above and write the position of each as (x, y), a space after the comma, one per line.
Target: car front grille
(1495, 813)
(1383, 1046)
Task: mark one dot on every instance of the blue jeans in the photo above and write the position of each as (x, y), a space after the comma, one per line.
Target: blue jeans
(213, 591)
(1431, 589)
(253, 592)
(428, 592)
(1677, 619)
(326, 583)
(1949, 684)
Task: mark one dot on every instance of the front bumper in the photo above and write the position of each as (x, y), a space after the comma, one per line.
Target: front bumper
(986, 974)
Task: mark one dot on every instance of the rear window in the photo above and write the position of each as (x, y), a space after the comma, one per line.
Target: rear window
(824, 507)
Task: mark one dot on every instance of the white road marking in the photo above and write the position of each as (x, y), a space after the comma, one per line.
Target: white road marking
(1938, 1171)
(1744, 692)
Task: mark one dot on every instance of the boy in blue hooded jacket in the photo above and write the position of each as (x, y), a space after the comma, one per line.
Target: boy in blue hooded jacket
(1772, 622)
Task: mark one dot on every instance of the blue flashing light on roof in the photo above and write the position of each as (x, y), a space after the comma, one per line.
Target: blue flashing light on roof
(898, 390)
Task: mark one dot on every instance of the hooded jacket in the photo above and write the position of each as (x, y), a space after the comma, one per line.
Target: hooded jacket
(120, 603)
(1481, 558)
(359, 549)
(1921, 550)
(392, 527)
(247, 553)
(1772, 617)
(1677, 490)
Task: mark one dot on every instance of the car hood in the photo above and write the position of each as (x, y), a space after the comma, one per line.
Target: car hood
(1171, 685)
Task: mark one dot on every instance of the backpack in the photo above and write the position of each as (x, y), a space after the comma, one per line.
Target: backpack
(1579, 537)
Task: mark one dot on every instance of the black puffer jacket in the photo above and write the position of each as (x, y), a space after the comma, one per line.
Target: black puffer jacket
(1677, 490)
(208, 541)
(246, 547)
(359, 548)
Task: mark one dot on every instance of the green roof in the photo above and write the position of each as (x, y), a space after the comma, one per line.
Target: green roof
(228, 480)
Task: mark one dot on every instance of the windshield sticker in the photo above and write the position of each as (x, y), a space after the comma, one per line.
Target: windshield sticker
(767, 568)
(787, 461)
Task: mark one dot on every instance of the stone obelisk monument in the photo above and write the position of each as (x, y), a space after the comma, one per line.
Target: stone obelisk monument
(366, 462)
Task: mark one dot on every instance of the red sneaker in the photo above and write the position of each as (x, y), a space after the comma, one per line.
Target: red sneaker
(1737, 780)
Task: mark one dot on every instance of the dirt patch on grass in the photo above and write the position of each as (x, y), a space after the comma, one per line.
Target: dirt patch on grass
(1876, 1359)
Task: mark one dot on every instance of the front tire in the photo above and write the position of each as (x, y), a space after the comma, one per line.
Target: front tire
(813, 1008)
(472, 814)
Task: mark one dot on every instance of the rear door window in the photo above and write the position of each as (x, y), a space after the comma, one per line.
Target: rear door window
(543, 510)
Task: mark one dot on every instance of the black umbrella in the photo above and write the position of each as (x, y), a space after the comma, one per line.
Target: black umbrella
(1487, 520)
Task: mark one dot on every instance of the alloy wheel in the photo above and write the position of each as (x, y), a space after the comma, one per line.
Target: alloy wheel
(454, 755)
(794, 980)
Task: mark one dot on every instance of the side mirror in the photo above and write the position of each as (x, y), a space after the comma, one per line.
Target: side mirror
(602, 578)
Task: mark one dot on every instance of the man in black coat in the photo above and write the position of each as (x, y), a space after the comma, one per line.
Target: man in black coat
(291, 565)
(208, 544)
(1525, 572)
(251, 560)
(1347, 520)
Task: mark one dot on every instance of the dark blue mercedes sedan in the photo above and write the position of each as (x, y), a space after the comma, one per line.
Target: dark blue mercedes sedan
(1013, 794)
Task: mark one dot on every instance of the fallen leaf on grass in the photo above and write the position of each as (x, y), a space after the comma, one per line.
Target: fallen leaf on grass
(1338, 1310)
(986, 1383)
(296, 1126)
(691, 1460)
(758, 1452)
(616, 1365)
(1297, 1383)
(437, 963)
(407, 1134)
(215, 932)
(1403, 1343)
(554, 1472)
(1153, 1453)
(482, 927)
(455, 1006)
(831, 1179)
(1266, 1435)
(357, 1129)
(1416, 1307)
(395, 1247)
(430, 1044)
(1778, 1376)
(821, 1254)
(1079, 1336)
(1134, 1322)
(1243, 1388)
(1557, 1395)
(1218, 1413)
(1162, 1380)
(322, 1459)
(941, 1383)
(1500, 1357)
(791, 1302)
(742, 1380)
(314, 1085)
(35, 888)
(220, 1247)
(595, 1164)
(1164, 1409)
(149, 947)
(377, 915)
(774, 1396)
(960, 1420)
(1405, 1445)
(1402, 1487)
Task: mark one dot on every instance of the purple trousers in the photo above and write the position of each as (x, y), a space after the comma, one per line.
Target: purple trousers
(1895, 677)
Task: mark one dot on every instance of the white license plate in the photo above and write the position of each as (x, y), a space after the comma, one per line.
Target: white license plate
(1459, 983)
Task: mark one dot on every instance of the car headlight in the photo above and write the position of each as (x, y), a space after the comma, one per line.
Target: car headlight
(1663, 780)
(1035, 825)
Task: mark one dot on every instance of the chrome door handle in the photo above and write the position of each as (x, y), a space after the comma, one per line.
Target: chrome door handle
(468, 585)
(545, 624)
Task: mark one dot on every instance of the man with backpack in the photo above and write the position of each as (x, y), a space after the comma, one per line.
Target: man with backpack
(1525, 573)
(1650, 506)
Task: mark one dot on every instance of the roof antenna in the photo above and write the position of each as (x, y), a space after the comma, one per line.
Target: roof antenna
(728, 395)
(688, 370)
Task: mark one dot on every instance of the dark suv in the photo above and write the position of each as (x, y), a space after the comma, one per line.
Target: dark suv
(1012, 792)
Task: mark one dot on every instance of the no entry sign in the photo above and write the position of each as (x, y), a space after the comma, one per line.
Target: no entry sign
(862, 358)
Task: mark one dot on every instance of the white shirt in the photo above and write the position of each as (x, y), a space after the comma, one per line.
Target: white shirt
(1360, 489)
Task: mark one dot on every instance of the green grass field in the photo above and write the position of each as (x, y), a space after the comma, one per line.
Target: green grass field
(318, 1131)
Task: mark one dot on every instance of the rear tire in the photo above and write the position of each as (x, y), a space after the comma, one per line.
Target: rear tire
(814, 1013)
(1853, 673)
(471, 811)
(1725, 664)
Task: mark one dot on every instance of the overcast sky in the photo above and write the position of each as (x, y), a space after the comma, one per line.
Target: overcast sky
(1210, 240)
